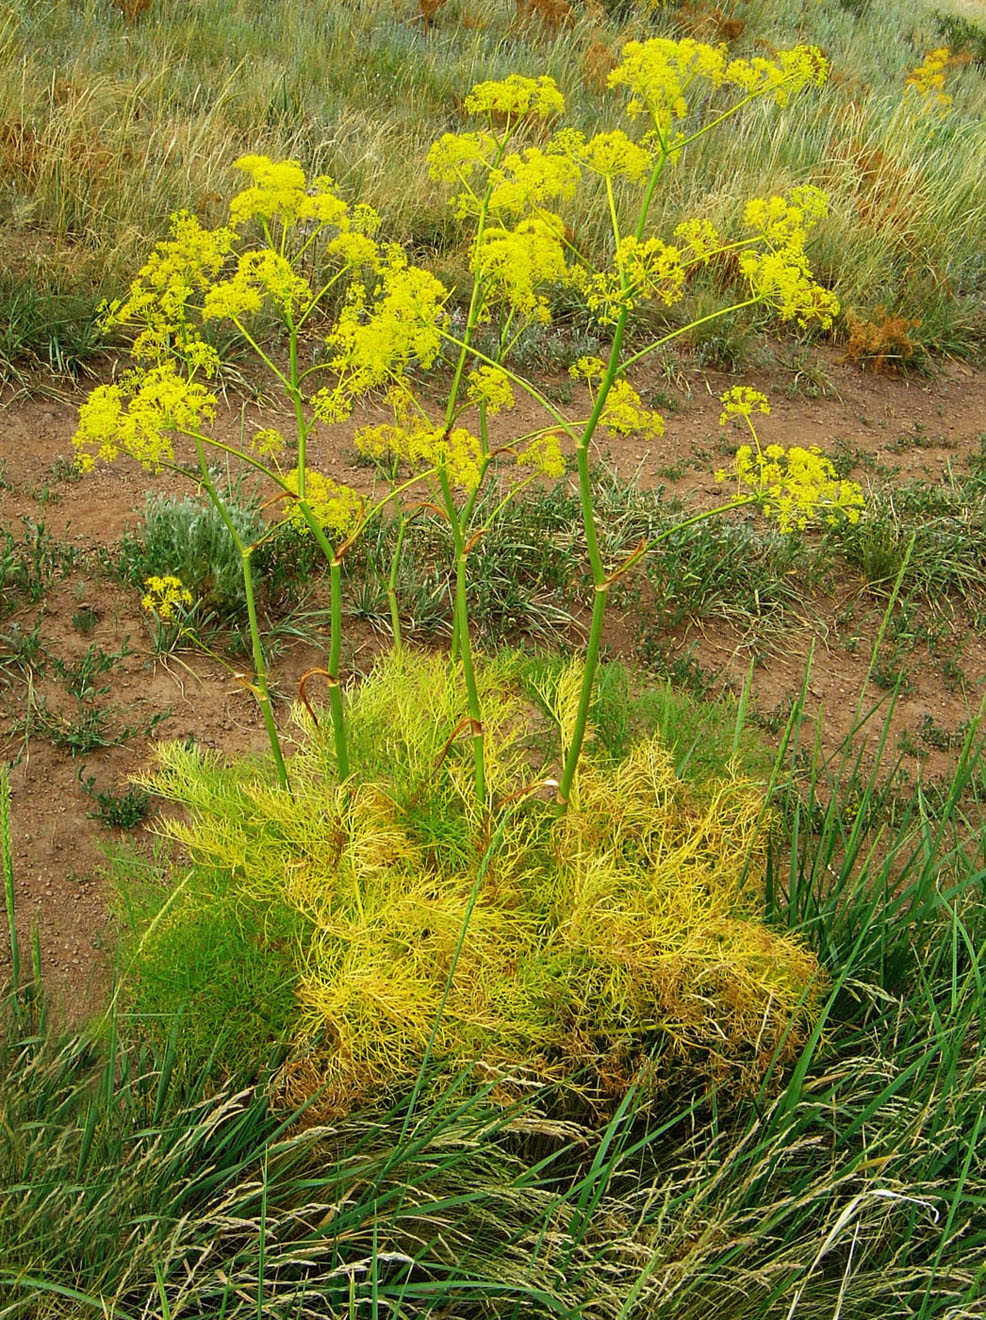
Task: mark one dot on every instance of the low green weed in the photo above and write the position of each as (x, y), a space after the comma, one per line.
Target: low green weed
(133, 1183)
(947, 521)
(120, 811)
(30, 565)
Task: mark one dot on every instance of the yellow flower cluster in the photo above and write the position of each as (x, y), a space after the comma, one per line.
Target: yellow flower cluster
(526, 181)
(136, 417)
(375, 340)
(659, 75)
(457, 453)
(642, 269)
(589, 369)
(788, 73)
(161, 298)
(280, 190)
(166, 596)
(610, 155)
(928, 79)
(491, 386)
(260, 274)
(516, 264)
(796, 485)
(624, 413)
(793, 486)
(544, 454)
(516, 97)
(777, 269)
(338, 510)
(659, 72)
(266, 441)
(701, 238)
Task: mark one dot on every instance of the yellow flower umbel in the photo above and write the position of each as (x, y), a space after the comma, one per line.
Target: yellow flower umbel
(456, 453)
(791, 486)
(338, 510)
(623, 412)
(660, 75)
(379, 335)
(544, 455)
(166, 597)
(643, 269)
(516, 97)
(777, 268)
(491, 386)
(138, 416)
(517, 265)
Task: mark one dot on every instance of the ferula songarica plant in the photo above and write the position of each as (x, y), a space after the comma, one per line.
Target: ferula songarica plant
(296, 256)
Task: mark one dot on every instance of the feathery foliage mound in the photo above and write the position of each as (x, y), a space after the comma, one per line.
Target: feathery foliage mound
(588, 947)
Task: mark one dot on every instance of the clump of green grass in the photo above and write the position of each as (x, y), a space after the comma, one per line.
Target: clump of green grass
(947, 522)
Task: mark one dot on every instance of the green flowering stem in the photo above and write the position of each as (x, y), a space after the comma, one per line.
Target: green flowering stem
(562, 423)
(461, 637)
(267, 361)
(260, 671)
(293, 388)
(600, 581)
(259, 687)
(475, 301)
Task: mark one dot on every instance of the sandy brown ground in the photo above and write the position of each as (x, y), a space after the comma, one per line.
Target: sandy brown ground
(899, 428)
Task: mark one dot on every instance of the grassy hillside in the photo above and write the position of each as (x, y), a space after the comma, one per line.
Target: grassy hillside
(113, 115)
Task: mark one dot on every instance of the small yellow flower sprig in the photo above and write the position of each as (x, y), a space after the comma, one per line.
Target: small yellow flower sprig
(777, 268)
(139, 417)
(166, 597)
(170, 601)
(794, 486)
(337, 509)
(928, 79)
(772, 257)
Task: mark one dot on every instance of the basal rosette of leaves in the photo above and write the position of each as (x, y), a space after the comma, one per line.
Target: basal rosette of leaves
(620, 943)
(297, 257)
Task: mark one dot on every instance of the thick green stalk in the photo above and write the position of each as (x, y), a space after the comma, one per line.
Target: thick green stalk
(474, 300)
(260, 669)
(599, 579)
(336, 709)
(469, 673)
(461, 636)
(395, 617)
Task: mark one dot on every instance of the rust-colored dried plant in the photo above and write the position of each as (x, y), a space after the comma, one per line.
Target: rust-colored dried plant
(880, 341)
